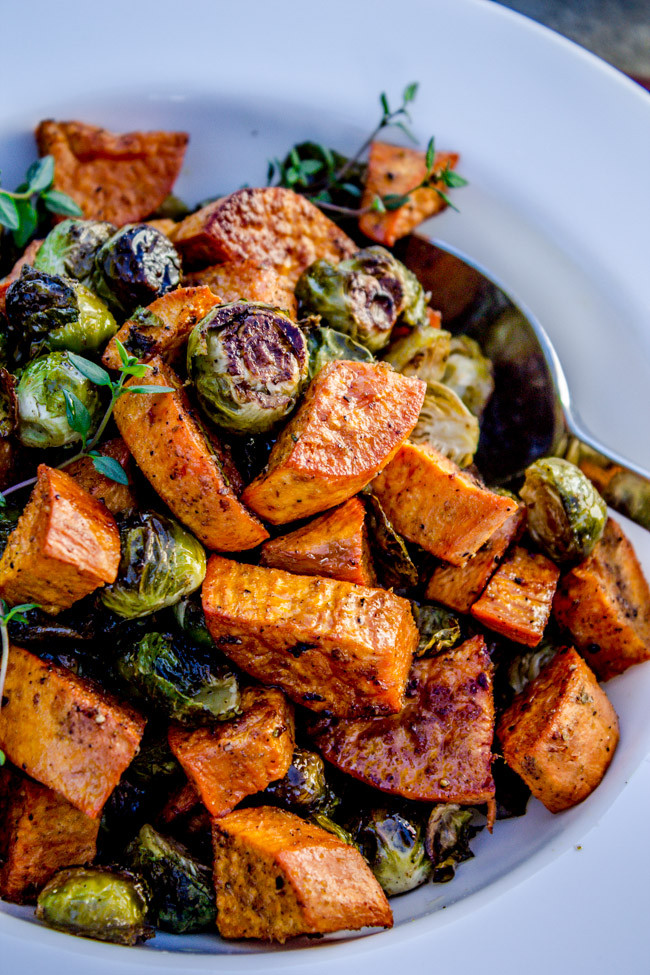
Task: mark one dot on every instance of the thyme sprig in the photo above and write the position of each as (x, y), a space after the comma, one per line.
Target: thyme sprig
(6, 616)
(19, 210)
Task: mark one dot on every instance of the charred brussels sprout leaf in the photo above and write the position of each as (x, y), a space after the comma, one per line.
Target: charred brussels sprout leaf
(469, 373)
(393, 844)
(325, 822)
(511, 792)
(449, 830)
(326, 345)
(41, 402)
(69, 249)
(249, 365)
(96, 903)
(189, 615)
(439, 629)
(394, 565)
(134, 267)
(182, 891)
(446, 424)
(160, 563)
(566, 514)
(187, 682)
(422, 353)
(525, 667)
(304, 786)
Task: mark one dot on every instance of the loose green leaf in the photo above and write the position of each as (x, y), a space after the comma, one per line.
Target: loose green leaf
(384, 103)
(377, 205)
(393, 201)
(9, 216)
(3, 500)
(452, 179)
(351, 189)
(41, 174)
(407, 132)
(149, 389)
(79, 418)
(2, 758)
(90, 370)
(58, 202)
(28, 220)
(135, 368)
(123, 354)
(431, 154)
(16, 612)
(410, 92)
(443, 196)
(110, 468)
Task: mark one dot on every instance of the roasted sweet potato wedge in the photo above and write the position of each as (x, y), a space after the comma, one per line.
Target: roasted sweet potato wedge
(116, 497)
(328, 644)
(334, 545)
(65, 732)
(270, 224)
(65, 545)
(225, 762)
(352, 421)
(119, 178)
(429, 500)
(439, 747)
(604, 602)
(39, 834)
(251, 280)
(170, 448)
(561, 733)
(277, 877)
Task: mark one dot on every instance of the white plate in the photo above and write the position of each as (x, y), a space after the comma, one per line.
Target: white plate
(556, 146)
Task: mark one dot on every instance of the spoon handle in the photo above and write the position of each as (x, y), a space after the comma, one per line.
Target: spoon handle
(624, 486)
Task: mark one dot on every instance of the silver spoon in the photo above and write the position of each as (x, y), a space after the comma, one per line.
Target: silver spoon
(530, 414)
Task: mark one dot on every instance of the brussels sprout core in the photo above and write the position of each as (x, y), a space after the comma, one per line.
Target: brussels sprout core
(42, 417)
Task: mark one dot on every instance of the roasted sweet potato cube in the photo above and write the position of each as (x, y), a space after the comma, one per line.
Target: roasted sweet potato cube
(39, 834)
(120, 178)
(334, 545)
(517, 600)
(174, 454)
(458, 586)
(604, 602)
(225, 762)
(439, 747)
(161, 329)
(429, 500)
(277, 877)
(65, 545)
(395, 171)
(251, 280)
(116, 497)
(270, 224)
(328, 644)
(183, 801)
(351, 422)
(561, 733)
(65, 732)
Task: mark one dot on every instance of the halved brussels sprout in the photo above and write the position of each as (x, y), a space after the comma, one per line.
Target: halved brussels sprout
(525, 667)
(41, 405)
(69, 249)
(449, 830)
(182, 889)
(469, 373)
(160, 563)
(134, 267)
(327, 345)
(96, 903)
(439, 629)
(446, 424)
(363, 296)
(188, 613)
(422, 353)
(248, 362)
(304, 785)
(391, 558)
(187, 682)
(392, 842)
(566, 514)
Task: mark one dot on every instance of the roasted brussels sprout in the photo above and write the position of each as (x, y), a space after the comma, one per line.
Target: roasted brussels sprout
(439, 629)
(8, 521)
(96, 903)
(363, 296)
(160, 563)
(182, 891)
(304, 786)
(155, 764)
(393, 844)
(326, 345)
(41, 405)
(249, 365)
(469, 373)
(325, 822)
(449, 830)
(525, 667)
(69, 249)
(391, 558)
(134, 267)
(422, 353)
(446, 424)
(130, 805)
(187, 682)
(566, 514)
(189, 615)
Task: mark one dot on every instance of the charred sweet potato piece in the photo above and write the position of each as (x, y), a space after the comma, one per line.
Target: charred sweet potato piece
(162, 329)
(351, 422)
(65, 545)
(429, 500)
(65, 732)
(277, 877)
(251, 280)
(518, 598)
(116, 497)
(182, 802)
(269, 224)
(174, 454)
(334, 545)
(458, 586)
(119, 178)
(604, 602)
(39, 834)
(561, 733)
(227, 761)
(328, 644)
(438, 748)
(394, 171)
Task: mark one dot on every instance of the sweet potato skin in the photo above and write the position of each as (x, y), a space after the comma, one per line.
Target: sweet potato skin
(39, 834)
(604, 602)
(429, 500)
(117, 497)
(65, 546)
(251, 280)
(561, 733)
(334, 545)
(518, 598)
(438, 748)
(353, 419)
(277, 877)
(171, 451)
(225, 762)
(329, 645)
(269, 224)
(64, 732)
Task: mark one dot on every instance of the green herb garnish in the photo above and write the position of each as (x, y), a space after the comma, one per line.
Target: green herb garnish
(21, 210)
